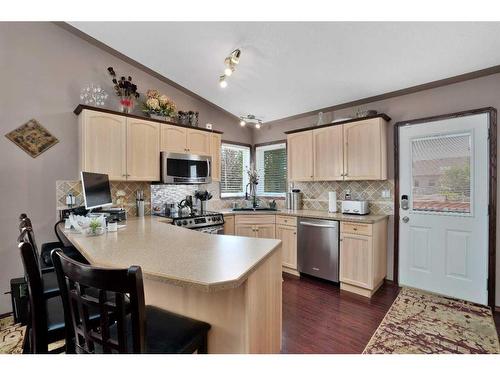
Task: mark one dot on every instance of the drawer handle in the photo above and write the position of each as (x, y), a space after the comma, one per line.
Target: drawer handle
(354, 228)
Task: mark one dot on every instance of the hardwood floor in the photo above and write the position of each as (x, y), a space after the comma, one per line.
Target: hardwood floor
(318, 318)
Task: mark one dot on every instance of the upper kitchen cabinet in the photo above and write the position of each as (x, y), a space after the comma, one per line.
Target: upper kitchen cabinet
(173, 138)
(328, 146)
(143, 150)
(365, 150)
(215, 152)
(184, 140)
(198, 142)
(300, 150)
(351, 150)
(123, 148)
(103, 144)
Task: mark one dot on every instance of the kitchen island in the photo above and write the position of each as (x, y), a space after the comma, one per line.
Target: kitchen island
(233, 283)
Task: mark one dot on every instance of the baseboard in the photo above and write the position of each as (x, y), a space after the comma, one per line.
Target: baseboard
(4, 315)
(290, 271)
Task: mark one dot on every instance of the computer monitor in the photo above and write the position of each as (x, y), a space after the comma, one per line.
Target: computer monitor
(96, 190)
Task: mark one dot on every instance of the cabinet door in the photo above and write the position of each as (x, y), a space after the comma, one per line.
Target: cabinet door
(328, 145)
(198, 142)
(215, 152)
(229, 225)
(365, 150)
(356, 260)
(173, 139)
(245, 230)
(266, 231)
(288, 237)
(300, 156)
(143, 150)
(103, 147)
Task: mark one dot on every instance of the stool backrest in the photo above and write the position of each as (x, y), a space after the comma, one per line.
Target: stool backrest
(27, 235)
(120, 320)
(37, 307)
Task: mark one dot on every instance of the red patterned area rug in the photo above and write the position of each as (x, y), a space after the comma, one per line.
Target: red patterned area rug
(425, 323)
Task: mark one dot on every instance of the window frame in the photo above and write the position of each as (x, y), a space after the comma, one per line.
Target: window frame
(245, 179)
(281, 141)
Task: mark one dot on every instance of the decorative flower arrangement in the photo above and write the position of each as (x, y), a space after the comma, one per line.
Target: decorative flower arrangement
(253, 175)
(125, 89)
(159, 105)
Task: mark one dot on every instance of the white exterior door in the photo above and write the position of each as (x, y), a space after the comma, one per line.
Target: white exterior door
(443, 230)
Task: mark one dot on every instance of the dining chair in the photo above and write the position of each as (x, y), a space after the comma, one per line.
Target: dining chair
(140, 328)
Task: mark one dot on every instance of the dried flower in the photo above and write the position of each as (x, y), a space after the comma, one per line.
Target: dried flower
(153, 94)
(153, 103)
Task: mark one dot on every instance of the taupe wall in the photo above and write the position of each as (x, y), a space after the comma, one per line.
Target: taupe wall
(43, 68)
(480, 92)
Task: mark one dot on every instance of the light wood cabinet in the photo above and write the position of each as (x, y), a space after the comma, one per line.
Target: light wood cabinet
(258, 226)
(123, 148)
(363, 257)
(215, 152)
(229, 225)
(143, 150)
(198, 142)
(103, 144)
(351, 151)
(173, 138)
(288, 236)
(184, 140)
(300, 151)
(365, 150)
(328, 146)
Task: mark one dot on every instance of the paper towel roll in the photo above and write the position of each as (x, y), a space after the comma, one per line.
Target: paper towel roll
(332, 201)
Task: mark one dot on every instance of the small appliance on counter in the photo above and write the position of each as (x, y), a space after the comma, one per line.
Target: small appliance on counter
(355, 207)
(294, 200)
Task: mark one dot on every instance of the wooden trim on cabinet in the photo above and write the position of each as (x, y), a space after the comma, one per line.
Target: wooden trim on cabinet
(382, 115)
(81, 107)
(492, 199)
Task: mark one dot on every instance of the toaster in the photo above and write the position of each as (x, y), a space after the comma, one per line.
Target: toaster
(355, 207)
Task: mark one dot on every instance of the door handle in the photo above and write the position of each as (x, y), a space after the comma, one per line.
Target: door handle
(406, 219)
(317, 225)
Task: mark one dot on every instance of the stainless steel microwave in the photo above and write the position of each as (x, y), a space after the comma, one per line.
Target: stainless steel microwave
(185, 168)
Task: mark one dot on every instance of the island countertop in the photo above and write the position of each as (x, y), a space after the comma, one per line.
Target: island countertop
(175, 255)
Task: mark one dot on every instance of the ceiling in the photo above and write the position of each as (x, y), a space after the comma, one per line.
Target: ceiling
(294, 67)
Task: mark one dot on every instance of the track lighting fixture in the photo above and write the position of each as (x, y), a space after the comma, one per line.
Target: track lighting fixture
(222, 81)
(251, 119)
(230, 63)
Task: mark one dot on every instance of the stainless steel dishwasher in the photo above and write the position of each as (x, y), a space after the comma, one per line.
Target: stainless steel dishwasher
(318, 248)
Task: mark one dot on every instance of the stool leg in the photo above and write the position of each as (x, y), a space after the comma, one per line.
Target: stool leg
(203, 348)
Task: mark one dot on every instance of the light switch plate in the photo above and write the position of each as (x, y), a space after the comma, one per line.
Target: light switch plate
(386, 193)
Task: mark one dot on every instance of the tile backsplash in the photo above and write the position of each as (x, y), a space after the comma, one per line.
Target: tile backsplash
(316, 194)
(122, 193)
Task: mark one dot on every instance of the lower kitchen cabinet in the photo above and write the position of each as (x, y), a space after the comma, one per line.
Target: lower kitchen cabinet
(259, 226)
(288, 236)
(363, 257)
(229, 225)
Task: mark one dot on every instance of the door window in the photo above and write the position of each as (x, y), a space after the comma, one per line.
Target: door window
(441, 174)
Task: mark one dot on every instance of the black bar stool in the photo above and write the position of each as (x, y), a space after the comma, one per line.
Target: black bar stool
(141, 329)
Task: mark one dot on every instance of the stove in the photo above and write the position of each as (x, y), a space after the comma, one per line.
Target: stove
(209, 222)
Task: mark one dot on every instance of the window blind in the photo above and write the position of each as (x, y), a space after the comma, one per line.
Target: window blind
(271, 165)
(235, 161)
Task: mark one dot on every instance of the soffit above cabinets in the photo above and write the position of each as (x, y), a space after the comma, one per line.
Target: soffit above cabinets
(287, 68)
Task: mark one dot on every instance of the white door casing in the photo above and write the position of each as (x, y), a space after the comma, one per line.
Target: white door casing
(443, 235)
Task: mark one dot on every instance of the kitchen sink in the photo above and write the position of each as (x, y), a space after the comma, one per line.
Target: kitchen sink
(255, 209)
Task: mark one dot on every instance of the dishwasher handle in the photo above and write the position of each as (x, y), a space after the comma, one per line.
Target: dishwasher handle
(317, 225)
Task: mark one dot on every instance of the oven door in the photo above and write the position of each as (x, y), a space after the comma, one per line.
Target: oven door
(185, 168)
(218, 229)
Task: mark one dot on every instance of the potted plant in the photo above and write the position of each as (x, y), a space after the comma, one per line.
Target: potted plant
(126, 90)
(159, 106)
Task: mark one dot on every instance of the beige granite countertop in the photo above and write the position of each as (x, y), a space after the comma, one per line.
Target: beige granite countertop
(175, 255)
(370, 219)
